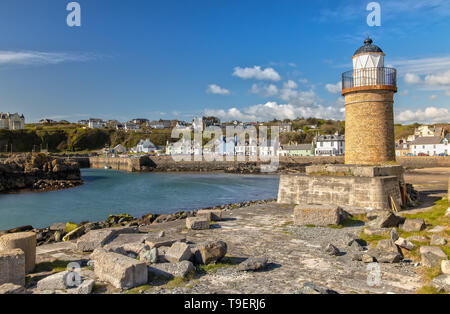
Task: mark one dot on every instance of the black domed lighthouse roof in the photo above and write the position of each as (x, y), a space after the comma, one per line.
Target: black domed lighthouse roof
(368, 47)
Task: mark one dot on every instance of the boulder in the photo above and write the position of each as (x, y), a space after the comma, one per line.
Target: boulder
(389, 257)
(376, 231)
(151, 242)
(414, 225)
(388, 245)
(394, 235)
(438, 240)
(386, 220)
(432, 256)
(9, 288)
(385, 254)
(420, 239)
(85, 287)
(198, 223)
(171, 270)
(98, 238)
(441, 283)
(356, 246)
(445, 267)
(178, 252)
(367, 258)
(403, 243)
(318, 215)
(12, 267)
(26, 241)
(58, 281)
(119, 270)
(212, 215)
(210, 252)
(149, 256)
(58, 226)
(330, 249)
(310, 288)
(253, 264)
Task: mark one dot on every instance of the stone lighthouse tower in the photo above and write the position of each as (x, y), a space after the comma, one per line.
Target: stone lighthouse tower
(369, 101)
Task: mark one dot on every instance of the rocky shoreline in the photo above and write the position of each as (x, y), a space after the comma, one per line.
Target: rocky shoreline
(39, 173)
(61, 232)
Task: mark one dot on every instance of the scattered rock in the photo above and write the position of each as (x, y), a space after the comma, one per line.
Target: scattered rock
(438, 229)
(394, 234)
(414, 225)
(121, 271)
(171, 270)
(403, 243)
(330, 249)
(376, 231)
(166, 242)
(98, 238)
(389, 257)
(432, 256)
(438, 240)
(58, 281)
(149, 256)
(253, 264)
(356, 246)
(58, 226)
(198, 223)
(441, 283)
(445, 267)
(318, 215)
(210, 252)
(366, 258)
(386, 220)
(388, 245)
(310, 288)
(420, 239)
(9, 288)
(212, 215)
(85, 287)
(178, 252)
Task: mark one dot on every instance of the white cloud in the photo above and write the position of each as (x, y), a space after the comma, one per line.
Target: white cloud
(411, 78)
(265, 90)
(39, 58)
(273, 110)
(217, 90)
(429, 115)
(438, 79)
(257, 73)
(334, 88)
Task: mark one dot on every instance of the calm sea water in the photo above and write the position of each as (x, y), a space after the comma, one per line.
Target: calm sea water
(108, 192)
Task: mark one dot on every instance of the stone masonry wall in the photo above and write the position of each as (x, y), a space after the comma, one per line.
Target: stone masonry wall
(369, 193)
(369, 127)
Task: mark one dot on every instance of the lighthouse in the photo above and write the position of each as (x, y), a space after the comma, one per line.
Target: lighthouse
(369, 108)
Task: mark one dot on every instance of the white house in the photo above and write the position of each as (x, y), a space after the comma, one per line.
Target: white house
(130, 126)
(330, 145)
(96, 124)
(12, 121)
(430, 146)
(144, 146)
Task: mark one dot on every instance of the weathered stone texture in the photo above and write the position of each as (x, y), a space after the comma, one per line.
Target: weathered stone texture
(119, 270)
(12, 267)
(318, 215)
(10, 288)
(198, 223)
(371, 193)
(26, 241)
(369, 127)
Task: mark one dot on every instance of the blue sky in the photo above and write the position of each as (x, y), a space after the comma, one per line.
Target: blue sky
(237, 59)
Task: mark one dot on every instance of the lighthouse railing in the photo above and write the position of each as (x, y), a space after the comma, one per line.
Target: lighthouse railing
(369, 77)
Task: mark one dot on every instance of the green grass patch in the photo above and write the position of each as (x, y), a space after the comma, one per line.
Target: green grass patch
(428, 290)
(372, 240)
(435, 216)
(446, 250)
(139, 289)
(212, 268)
(55, 266)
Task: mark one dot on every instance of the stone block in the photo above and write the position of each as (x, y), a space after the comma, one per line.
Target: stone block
(58, 281)
(386, 220)
(168, 241)
(26, 241)
(432, 256)
(12, 267)
(171, 270)
(178, 252)
(119, 270)
(9, 288)
(414, 225)
(98, 238)
(214, 215)
(210, 252)
(198, 223)
(318, 215)
(445, 267)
